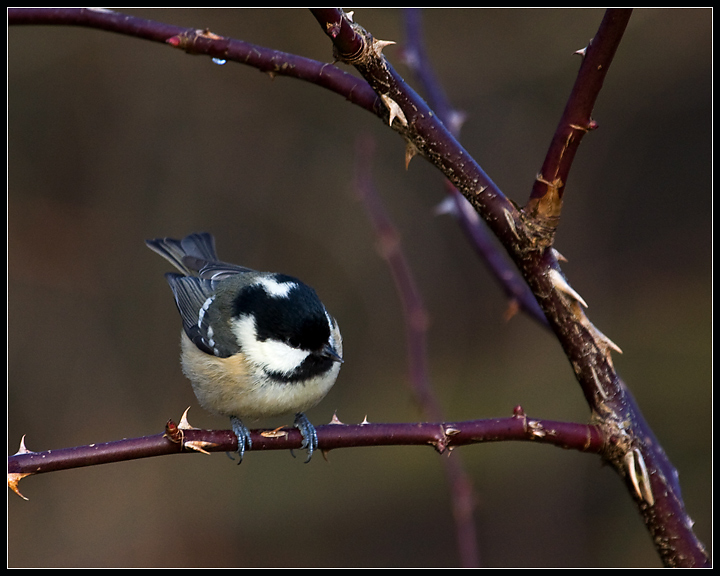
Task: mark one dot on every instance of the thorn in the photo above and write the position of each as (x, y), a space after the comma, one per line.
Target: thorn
(365, 421)
(511, 222)
(13, 479)
(558, 256)
(608, 343)
(645, 487)
(518, 412)
(597, 383)
(410, 151)
(604, 343)
(629, 460)
(536, 429)
(23, 449)
(561, 284)
(379, 45)
(198, 445)
(512, 309)
(210, 35)
(184, 424)
(581, 52)
(349, 15)
(176, 433)
(395, 110)
(277, 433)
(633, 460)
(578, 127)
(591, 125)
(335, 419)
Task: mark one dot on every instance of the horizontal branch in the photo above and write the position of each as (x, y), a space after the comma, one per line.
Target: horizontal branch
(442, 436)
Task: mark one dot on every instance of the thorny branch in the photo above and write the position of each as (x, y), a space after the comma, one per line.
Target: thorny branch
(526, 233)
(182, 437)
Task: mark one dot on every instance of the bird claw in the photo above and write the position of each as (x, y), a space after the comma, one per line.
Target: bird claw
(243, 436)
(307, 430)
(309, 434)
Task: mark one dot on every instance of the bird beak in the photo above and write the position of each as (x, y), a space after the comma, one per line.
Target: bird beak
(329, 352)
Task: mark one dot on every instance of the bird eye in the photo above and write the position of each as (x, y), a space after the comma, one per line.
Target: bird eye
(294, 341)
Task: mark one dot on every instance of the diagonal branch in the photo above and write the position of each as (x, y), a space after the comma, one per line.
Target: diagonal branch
(506, 274)
(545, 202)
(632, 449)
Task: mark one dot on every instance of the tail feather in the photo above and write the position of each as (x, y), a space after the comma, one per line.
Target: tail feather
(188, 255)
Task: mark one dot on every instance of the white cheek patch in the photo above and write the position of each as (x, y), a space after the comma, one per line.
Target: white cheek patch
(331, 325)
(272, 355)
(275, 288)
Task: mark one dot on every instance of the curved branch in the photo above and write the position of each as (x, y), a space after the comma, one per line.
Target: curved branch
(204, 42)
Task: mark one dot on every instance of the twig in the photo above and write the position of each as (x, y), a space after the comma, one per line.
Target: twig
(416, 326)
(546, 197)
(506, 274)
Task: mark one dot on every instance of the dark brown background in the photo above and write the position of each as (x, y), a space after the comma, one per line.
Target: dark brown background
(113, 140)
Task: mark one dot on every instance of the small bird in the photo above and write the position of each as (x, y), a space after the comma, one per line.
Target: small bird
(254, 344)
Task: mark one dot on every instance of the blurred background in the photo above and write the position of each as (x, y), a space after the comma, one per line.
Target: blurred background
(112, 140)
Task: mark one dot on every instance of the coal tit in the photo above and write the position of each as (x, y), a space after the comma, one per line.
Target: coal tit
(254, 344)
